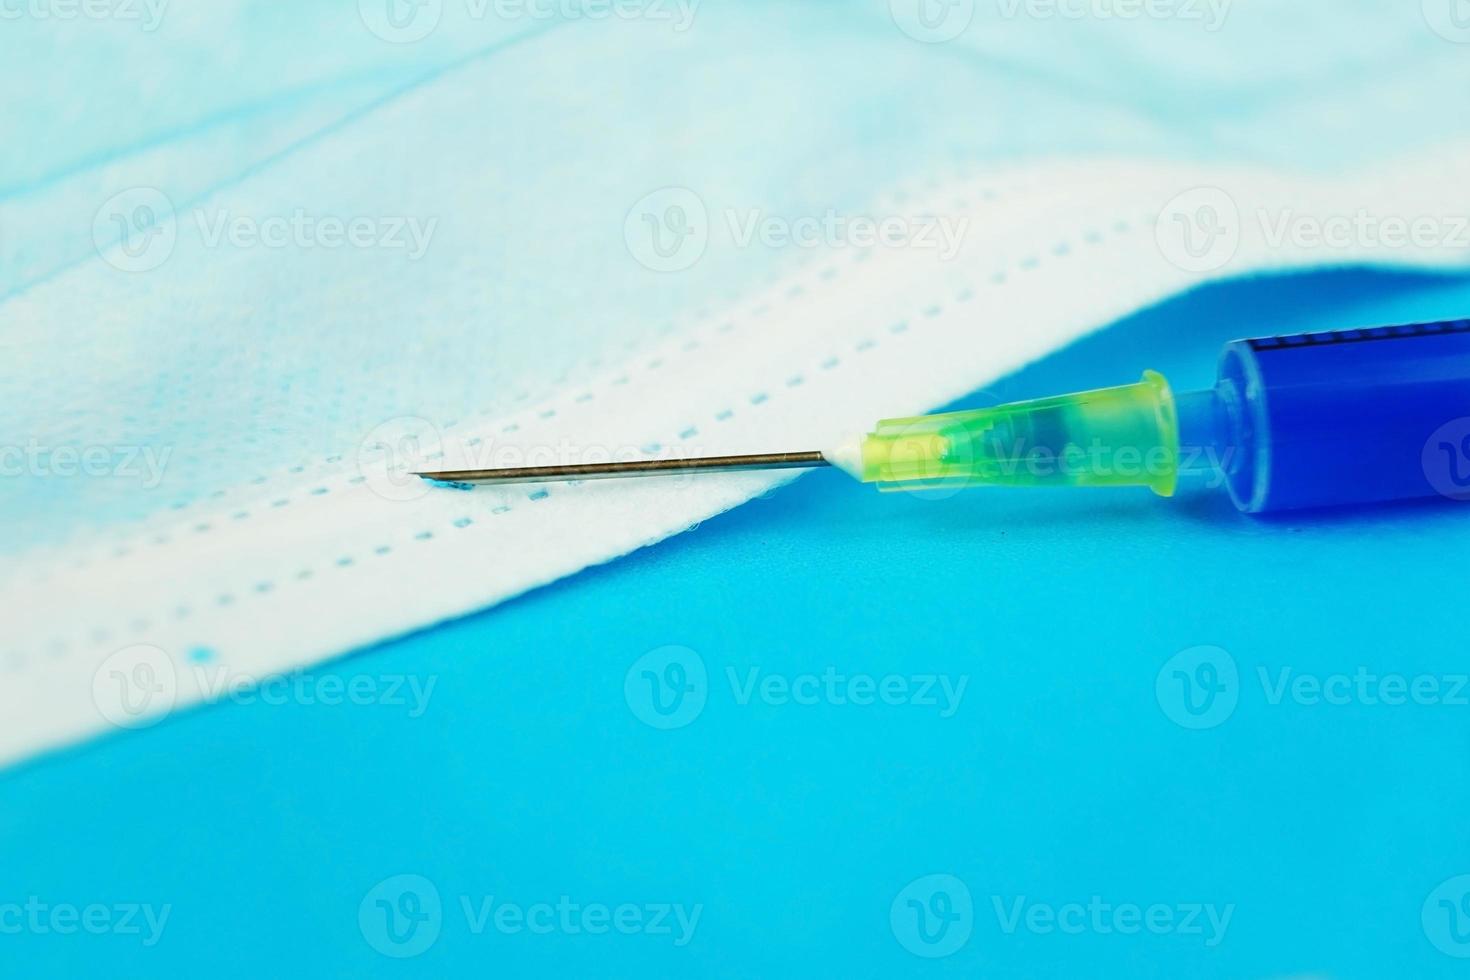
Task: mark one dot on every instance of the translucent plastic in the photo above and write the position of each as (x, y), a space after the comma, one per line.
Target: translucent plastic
(1310, 420)
(1111, 437)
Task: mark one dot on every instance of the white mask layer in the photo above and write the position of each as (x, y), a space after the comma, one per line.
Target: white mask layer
(272, 573)
(286, 250)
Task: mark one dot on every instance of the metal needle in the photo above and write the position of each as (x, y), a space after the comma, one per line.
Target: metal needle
(637, 467)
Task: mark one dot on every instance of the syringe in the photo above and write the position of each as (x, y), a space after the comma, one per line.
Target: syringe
(1308, 420)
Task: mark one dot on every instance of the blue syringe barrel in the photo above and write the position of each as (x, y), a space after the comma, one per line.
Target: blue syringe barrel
(1348, 417)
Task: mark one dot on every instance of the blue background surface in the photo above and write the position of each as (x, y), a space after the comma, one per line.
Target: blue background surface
(530, 775)
(800, 831)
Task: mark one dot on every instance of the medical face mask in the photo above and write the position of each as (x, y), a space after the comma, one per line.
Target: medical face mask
(734, 236)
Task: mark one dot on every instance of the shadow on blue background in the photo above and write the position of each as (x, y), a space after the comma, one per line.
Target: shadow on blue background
(564, 757)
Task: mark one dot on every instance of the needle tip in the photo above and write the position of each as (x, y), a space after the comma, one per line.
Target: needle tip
(643, 467)
(443, 482)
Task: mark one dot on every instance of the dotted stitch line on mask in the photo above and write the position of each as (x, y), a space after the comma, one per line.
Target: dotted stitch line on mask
(996, 280)
(999, 278)
(986, 194)
(827, 273)
(963, 203)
